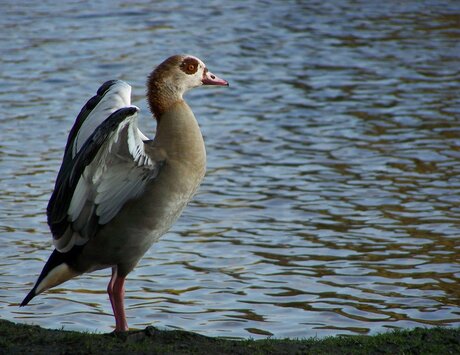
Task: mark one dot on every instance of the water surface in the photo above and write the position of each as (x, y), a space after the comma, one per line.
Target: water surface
(331, 202)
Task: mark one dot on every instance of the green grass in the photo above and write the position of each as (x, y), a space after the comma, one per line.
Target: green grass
(20, 338)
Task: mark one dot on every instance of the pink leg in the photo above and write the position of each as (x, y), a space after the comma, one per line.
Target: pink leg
(110, 287)
(116, 291)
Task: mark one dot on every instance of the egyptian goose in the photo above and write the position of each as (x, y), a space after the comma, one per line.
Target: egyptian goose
(118, 192)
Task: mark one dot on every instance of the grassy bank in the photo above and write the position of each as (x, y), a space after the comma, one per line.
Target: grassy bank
(19, 338)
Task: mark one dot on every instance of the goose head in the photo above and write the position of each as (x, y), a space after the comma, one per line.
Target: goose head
(170, 80)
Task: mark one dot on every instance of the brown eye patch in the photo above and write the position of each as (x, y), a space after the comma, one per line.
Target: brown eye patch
(189, 66)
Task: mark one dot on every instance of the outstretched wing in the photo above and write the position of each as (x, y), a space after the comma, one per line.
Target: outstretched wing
(111, 96)
(110, 168)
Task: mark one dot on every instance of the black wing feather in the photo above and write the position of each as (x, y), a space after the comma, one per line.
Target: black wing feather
(71, 171)
(67, 160)
(85, 111)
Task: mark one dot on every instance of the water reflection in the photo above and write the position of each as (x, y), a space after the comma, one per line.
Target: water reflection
(331, 200)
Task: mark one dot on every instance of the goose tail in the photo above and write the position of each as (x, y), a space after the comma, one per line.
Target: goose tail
(55, 272)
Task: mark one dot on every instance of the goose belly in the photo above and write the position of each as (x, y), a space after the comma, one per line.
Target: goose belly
(141, 223)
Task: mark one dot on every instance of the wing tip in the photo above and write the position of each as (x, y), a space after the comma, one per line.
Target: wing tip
(109, 84)
(105, 87)
(133, 109)
(123, 113)
(55, 272)
(27, 299)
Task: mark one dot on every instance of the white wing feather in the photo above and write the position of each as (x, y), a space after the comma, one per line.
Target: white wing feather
(118, 96)
(113, 177)
(118, 173)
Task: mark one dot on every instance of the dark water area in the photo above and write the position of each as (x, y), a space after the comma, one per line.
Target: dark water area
(331, 201)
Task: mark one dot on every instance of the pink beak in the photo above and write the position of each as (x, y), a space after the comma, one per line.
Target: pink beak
(211, 79)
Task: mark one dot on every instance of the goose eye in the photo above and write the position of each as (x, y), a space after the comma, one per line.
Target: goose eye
(189, 66)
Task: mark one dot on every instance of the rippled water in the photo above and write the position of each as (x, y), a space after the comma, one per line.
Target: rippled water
(331, 203)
